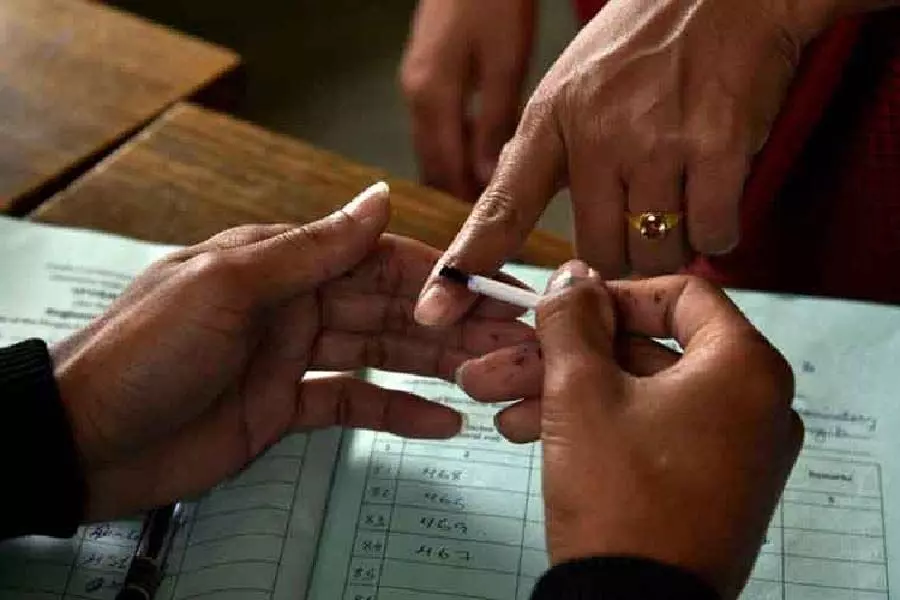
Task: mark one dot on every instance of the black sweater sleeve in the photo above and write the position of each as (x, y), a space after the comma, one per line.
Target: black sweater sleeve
(620, 578)
(43, 487)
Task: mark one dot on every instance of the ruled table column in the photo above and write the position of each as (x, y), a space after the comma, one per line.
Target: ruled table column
(364, 571)
(236, 538)
(534, 548)
(457, 522)
(452, 515)
(834, 544)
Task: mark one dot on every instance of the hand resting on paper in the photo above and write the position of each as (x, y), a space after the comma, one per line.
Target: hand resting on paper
(675, 457)
(198, 366)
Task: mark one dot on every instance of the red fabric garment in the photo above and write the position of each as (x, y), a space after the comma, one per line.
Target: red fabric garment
(821, 207)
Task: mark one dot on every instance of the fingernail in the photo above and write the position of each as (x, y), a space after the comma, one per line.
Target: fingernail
(459, 373)
(366, 207)
(432, 306)
(569, 274)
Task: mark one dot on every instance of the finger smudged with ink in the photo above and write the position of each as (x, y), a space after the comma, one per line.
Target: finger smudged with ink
(506, 374)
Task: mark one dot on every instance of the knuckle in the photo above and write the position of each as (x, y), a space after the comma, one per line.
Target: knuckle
(784, 381)
(797, 434)
(771, 380)
(727, 140)
(307, 238)
(420, 84)
(789, 48)
(583, 311)
(236, 236)
(573, 298)
(576, 372)
(717, 130)
(312, 242)
(564, 374)
(699, 284)
(540, 110)
(218, 269)
(729, 145)
(496, 207)
(690, 285)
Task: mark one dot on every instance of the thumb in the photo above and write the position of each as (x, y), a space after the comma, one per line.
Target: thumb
(576, 329)
(302, 258)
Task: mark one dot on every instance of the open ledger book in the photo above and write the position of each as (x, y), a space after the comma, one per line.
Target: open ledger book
(365, 516)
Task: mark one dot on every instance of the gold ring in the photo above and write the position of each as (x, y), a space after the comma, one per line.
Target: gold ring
(654, 225)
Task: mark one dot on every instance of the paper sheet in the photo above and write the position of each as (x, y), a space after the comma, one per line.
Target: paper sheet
(253, 537)
(463, 519)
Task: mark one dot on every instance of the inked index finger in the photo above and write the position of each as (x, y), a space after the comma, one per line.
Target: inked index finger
(398, 267)
(527, 176)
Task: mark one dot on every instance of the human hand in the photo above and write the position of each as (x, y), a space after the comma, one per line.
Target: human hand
(646, 452)
(654, 107)
(460, 53)
(198, 366)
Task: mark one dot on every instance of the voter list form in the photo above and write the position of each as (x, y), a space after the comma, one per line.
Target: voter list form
(463, 519)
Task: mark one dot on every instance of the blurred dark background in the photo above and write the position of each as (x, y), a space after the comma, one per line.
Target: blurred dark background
(325, 70)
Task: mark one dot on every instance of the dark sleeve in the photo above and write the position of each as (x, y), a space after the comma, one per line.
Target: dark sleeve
(43, 488)
(620, 578)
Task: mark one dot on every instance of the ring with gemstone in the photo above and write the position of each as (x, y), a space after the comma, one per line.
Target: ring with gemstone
(654, 225)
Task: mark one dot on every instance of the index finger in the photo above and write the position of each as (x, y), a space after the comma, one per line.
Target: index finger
(398, 267)
(527, 175)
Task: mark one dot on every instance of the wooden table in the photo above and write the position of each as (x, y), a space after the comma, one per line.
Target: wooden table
(77, 77)
(194, 172)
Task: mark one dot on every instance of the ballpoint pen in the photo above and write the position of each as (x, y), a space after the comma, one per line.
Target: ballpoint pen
(149, 561)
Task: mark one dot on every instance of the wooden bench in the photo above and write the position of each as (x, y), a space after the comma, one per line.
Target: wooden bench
(77, 78)
(194, 172)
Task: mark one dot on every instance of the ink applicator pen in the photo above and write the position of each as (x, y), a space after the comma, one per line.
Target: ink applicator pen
(492, 288)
